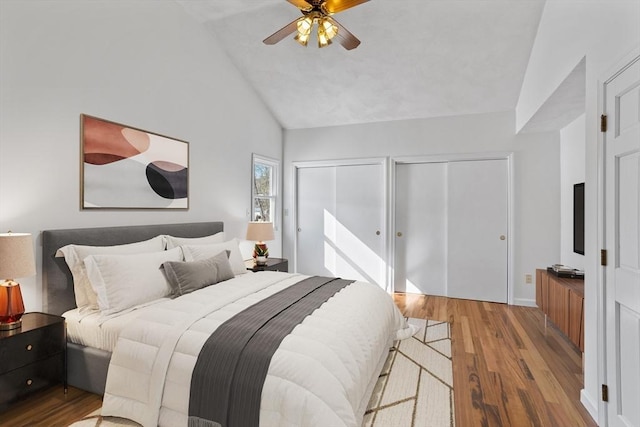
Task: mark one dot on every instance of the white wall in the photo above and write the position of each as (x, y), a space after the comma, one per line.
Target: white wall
(536, 172)
(572, 162)
(143, 63)
(603, 31)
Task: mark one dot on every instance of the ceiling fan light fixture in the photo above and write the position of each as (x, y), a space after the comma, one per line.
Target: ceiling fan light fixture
(302, 39)
(329, 27)
(304, 25)
(318, 13)
(326, 31)
(323, 40)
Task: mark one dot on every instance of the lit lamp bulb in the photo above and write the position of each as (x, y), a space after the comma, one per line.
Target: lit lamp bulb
(326, 31)
(304, 30)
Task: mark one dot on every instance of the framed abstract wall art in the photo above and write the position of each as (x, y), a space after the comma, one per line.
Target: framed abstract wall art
(128, 168)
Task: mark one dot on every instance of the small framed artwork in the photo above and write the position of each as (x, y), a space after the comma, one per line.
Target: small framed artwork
(128, 168)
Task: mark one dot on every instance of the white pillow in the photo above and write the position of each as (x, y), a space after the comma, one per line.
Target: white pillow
(199, 252)
(174, 242)
(125, 281)
(74, 256)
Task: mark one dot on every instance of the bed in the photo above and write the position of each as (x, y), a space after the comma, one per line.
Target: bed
(87, 366)
(321, 372)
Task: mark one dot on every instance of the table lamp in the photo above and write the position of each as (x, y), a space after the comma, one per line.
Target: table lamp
(260, 231)
(16, 260)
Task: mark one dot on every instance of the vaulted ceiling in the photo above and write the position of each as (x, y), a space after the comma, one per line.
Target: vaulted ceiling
(418, 58)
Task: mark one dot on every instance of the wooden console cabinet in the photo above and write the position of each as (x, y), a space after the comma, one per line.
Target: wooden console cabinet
(562, 301)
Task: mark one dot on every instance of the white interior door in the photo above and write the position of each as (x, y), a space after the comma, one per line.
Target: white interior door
(622, 204)
(451, 223)
(355, 238)
(421, 229)
(316, 198)
(477, 230)
(341, 222)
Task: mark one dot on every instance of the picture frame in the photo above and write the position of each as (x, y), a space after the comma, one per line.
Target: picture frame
(123, 167)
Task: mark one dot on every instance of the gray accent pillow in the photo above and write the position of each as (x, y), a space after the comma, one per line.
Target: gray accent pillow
(187, 276)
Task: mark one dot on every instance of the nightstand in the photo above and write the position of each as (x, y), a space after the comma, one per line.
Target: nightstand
(32, 357)
(273, 264)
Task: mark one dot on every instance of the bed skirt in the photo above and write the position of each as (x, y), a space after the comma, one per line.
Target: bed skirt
(87, 368)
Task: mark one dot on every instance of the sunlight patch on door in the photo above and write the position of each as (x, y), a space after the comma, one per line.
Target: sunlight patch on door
(330, 256)
(346, 256)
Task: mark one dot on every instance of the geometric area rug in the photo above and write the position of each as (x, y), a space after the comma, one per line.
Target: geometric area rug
(415, 387)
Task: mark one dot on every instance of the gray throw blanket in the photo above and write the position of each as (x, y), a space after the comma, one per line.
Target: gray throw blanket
(227, 380)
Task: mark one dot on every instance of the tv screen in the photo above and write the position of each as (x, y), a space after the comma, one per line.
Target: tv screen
(578, 218)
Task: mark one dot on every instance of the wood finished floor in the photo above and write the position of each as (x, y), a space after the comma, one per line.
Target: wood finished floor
(508, 371)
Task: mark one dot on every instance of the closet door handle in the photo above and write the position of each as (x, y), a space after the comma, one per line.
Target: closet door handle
(377, 232)
(399, 234)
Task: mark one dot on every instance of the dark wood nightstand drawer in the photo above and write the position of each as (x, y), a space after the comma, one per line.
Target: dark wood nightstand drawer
(27, 347)
(32, 356)
(22, 381)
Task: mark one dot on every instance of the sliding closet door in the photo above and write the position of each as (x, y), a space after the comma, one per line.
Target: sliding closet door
(340, 218)
(477, 230)
(451, 222)
(356, 239)
(421, 228)
(316, 199)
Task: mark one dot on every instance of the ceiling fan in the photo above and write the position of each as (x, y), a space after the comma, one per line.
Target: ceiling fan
(318, 13)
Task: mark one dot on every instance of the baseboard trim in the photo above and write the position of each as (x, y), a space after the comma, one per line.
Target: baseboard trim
(589, 404)
(526, 302)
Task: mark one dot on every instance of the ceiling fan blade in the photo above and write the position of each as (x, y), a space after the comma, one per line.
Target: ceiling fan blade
(335, 6)
(301, 4)
(345, 38)
(283, 32)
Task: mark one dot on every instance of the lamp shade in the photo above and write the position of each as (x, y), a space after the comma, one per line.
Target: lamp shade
(260, 231)
(16, 256)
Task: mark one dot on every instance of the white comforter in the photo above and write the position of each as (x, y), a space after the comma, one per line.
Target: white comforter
(320, 376)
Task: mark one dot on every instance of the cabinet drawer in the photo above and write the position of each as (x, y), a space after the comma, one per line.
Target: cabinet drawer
(28, 347)
(30, 378)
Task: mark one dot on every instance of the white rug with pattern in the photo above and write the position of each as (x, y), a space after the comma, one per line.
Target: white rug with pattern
(415, 388)
(416, 385)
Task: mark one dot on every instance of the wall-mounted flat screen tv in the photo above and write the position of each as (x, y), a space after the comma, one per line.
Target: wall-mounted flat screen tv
(578, 218)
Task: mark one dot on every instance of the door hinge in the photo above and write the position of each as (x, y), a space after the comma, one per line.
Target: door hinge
(605, 393)
(603, 123)
(603, 257)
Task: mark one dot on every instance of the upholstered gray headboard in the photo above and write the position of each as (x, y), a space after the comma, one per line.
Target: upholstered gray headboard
(57, 281)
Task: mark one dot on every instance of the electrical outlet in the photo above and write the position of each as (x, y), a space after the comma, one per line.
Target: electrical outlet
(528, 279)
